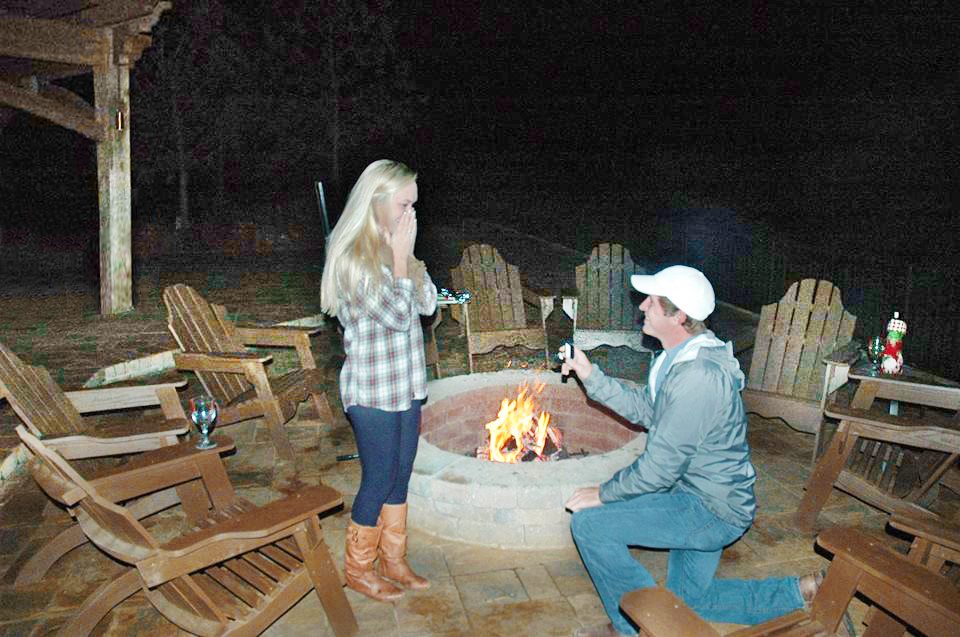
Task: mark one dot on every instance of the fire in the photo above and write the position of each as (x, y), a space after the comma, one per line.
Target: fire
(520, 428)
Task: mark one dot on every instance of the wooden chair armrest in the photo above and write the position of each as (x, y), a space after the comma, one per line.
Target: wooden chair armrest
(274, 336)
(660, 613)
(893, 573)
(82, 446)
(235, 363)
(943, 433)
(540, 299)
(121, 397)
(238, 535)
(845, 356)
(168, 376)
(534, 296)
(937, 531)
(158, 469)
(285, 336)
(926, 432)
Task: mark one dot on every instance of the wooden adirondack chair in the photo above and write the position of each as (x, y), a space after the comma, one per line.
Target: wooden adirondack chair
(787, 371)
(213, 347)
(924, 600)
(496, 315)
(234, 573)
(54, 415)
(602, 309)
(936, 546)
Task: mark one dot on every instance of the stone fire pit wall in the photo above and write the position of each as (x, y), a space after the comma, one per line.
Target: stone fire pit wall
(458, 497)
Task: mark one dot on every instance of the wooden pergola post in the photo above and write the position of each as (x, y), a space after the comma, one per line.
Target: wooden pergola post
(73, 37)
(111, 87)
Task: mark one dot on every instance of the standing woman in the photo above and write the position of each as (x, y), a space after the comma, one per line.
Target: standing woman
(377, 288)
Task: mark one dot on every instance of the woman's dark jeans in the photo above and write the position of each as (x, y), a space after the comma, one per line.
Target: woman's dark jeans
(387, 443)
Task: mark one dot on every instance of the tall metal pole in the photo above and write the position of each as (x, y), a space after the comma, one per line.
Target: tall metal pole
(322, 202)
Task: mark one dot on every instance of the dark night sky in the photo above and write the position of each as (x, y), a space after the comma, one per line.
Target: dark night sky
(836, 108)
(741, 60)
(811, 111)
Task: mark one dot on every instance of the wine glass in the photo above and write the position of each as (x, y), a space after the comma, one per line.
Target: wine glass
(875, 352)
(203, 412)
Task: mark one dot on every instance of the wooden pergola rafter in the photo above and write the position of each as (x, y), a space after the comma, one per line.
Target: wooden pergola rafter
(45, 40)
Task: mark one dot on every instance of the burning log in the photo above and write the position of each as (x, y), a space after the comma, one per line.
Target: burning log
(521, 431)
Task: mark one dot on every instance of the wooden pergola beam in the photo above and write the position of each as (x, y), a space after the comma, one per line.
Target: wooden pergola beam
(132, 47)
(111, 87)
(54, 41)
(130, 21)
(69, 38)
(54, 106)
(113, 13)
(15, 69)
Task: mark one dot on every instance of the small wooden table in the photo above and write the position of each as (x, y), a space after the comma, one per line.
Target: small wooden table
(867, 450)
(433, 352)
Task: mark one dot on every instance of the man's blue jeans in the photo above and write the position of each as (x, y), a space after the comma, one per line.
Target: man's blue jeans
(696, 537)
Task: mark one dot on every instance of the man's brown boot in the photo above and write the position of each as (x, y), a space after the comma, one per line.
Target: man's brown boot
(393, 548)
(361, 551)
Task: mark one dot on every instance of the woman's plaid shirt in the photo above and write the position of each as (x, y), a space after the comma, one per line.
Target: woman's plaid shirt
(385, 367)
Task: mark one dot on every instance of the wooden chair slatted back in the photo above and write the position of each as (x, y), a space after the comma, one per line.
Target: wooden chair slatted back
(36, 398)
(603, 284)
(201, 327)
(793, 337)
(497, 302)
(114, 530)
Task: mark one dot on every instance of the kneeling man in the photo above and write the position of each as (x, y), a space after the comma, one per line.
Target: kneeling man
(691, 490)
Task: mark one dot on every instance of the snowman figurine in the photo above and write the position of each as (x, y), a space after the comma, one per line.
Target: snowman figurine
(892, 362)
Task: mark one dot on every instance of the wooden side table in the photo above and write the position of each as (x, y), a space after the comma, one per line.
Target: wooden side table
(433, 352)
(862, 458)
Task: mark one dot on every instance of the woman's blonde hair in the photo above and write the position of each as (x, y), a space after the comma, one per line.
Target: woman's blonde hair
(353, 248)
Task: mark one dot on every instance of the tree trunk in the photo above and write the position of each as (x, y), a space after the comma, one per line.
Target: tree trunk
(334, 81)
(221, 204)
(183, 173)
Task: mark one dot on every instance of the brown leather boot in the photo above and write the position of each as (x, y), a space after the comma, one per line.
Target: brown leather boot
(393, 548)
(358, 561)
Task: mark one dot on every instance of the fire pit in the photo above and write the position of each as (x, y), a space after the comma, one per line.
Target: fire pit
(457, 496)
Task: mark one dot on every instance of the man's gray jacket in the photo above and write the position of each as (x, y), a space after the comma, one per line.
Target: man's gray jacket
(696, 430)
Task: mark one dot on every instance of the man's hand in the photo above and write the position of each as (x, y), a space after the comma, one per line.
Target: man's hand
(579, 363)
(584, 498)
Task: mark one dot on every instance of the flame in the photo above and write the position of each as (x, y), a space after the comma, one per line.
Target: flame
(519, 422)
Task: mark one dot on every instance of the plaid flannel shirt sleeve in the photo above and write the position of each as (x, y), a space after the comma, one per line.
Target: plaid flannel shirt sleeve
(427, 299)
(390, 304)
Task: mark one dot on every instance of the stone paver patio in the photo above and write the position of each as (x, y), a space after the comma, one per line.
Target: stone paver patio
(476, 591)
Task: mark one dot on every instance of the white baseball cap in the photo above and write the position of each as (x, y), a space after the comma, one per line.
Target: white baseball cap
(686, 287)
